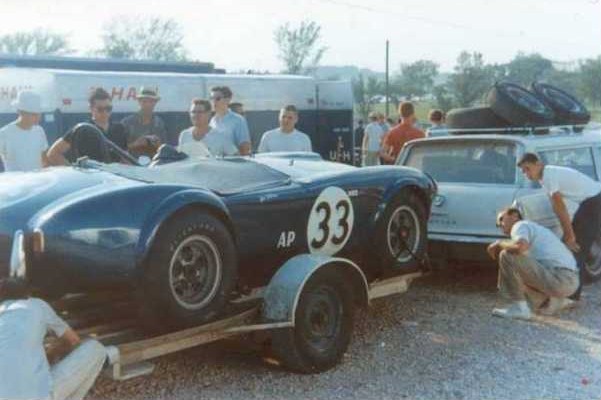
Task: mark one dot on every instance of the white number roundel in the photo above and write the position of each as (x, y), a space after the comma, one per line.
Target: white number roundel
(330, 222)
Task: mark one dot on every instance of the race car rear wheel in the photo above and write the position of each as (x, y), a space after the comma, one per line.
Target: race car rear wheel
(401, 234)
(323, 324)
(190, 272)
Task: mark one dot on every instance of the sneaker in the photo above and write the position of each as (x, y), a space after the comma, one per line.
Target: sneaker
(514, 311)
(558, 304)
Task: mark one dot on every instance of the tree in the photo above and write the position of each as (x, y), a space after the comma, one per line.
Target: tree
(35, 43)
(150, 38)
(416, 79)
(299, 47)
(471, 79)
(525, 69)
(590, 80)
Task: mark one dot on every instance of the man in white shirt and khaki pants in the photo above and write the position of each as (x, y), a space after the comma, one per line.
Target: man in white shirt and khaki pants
(576, 200)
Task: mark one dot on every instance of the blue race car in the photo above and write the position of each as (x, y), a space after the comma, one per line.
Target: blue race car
(190, 235)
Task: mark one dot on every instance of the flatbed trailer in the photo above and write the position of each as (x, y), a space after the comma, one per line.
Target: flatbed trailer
(111, 319)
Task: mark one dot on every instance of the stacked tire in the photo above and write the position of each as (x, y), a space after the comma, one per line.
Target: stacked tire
(513, 106)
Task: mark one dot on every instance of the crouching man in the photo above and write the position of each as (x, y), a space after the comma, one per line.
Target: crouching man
(25, 372)
(534, 265)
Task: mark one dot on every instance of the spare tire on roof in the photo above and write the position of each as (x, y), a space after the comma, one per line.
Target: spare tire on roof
(474, 118)
(519, 106)
(568, 110)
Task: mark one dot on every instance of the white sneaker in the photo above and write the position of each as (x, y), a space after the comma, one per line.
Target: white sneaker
(516, 310)
(558, 304)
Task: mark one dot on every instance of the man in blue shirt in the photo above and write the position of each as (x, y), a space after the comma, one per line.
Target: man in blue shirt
(227, 122)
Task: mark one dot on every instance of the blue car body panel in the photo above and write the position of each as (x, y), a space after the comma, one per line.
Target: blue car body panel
(100, 222)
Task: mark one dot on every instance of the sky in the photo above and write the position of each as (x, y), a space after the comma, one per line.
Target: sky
(238, 35)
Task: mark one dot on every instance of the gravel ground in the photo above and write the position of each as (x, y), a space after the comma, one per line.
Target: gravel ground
(438, 341)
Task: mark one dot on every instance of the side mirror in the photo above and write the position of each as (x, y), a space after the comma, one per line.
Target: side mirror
(144, 161)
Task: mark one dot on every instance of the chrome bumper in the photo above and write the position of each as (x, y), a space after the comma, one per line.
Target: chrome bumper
(18, 266)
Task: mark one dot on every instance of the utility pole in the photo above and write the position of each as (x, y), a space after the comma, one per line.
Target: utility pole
(387, 82)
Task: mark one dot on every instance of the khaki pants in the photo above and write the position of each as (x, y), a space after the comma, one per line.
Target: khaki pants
(74, 376)
(519, 274)
(371, 158)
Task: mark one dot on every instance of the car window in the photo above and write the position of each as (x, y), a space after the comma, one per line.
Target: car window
(580, 159)
(465, 162)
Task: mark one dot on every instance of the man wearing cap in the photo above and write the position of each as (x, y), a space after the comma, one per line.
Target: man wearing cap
(228, 123)
(146, 130)
(23, 142)
(576, 200)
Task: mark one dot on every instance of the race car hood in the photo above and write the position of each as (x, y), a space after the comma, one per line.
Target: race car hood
(23, 195)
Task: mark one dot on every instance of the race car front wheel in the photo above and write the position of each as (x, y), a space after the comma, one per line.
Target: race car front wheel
(401, 234)
(323, 324)
(190, 272)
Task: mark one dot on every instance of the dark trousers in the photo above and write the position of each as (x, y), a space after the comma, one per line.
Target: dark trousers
(586, 224)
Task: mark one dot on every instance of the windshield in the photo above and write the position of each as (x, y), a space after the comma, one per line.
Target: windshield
(465, 162)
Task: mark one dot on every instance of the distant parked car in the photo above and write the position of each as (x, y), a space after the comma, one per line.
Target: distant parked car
(477, 176)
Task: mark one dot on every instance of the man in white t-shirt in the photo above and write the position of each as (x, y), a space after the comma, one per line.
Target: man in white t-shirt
(534, 263)
(286, 137)
(25, 370)
(576, 200)
(372, 141)
(23, 142)
(201, 139)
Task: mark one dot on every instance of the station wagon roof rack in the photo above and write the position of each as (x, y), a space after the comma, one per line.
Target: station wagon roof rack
(527, 130)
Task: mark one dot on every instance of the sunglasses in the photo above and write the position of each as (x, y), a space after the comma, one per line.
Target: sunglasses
(106, 109)
(217, 98)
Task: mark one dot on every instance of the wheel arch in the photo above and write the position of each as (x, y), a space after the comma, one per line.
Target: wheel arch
(173, 206)
(283, 292)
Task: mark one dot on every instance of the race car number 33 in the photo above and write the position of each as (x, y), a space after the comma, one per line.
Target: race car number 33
(330, 222)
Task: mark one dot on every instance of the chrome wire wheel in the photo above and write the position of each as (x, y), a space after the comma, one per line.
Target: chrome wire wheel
(403, 233)
(195, 272)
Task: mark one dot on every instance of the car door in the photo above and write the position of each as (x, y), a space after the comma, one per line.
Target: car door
(476, 178)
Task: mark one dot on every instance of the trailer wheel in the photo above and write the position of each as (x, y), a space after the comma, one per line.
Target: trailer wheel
(323, 324)
(190, 272)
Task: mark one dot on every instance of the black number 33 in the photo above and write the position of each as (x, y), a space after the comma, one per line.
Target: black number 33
(324, 223)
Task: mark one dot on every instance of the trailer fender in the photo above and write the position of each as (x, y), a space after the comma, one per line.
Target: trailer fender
(283, 291)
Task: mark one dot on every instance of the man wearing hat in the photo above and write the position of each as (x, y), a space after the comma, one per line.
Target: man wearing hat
(146, 130)
(23, 142)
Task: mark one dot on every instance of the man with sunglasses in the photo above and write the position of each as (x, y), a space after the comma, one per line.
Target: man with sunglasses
(229, 124)
(533, 265)
(200, 138)
(78, 141)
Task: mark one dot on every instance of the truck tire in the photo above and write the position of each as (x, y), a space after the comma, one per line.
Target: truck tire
(568, 110)
(323, 325)
(190, 272)
(402, 225)
(519, 106)
(474, 118)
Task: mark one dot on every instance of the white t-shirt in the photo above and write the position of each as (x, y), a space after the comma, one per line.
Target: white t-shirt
(574, 186)
(545, 246)
(276, 140)
(217, 143)
(374, 133)
(20, 149)
(24, 369)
